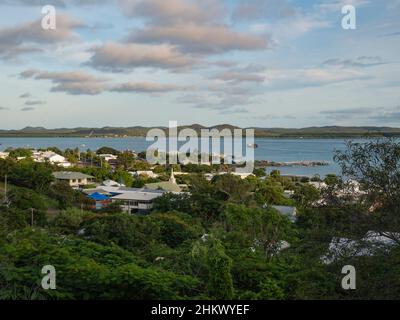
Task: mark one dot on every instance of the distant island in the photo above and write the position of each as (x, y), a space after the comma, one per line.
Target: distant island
(139, 131)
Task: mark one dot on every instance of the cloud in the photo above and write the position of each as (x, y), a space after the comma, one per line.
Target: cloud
(74, 83)
(34, 102)
(232, 76)
(56, 3)
(3, 109)
(123, 57)
(360, 62)
(392, 34)
(173, 11)
(221, 102)
(292, 28)
(263, 9)
(203, 39)
(250, 73)
(30, 37)
(27, 109)
(310, 77)
(146, 87)
(25, 95)
(192, 26)
(81, 83)
(374, 115)
(274, 117)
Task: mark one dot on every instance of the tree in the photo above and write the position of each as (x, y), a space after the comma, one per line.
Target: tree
(172, 202)
(235, 189)
(260, 229)
(175, 228)
(37, 176)
(126, 159)
(123, 177)
(215, 266)
(105, 272)
(63, 193)
(108, 150)
(305, 195)
(20, 153)
(206, 200)
(376, 165)
(259, 172)
(270, 192)
(70, 221)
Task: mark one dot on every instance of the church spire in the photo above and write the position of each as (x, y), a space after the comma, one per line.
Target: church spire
(172, 178)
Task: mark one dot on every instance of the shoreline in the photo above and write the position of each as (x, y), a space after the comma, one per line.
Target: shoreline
(319, 137)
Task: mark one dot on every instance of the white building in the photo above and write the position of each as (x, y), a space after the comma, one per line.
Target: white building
(4, 155)
(131, 200)
(136, 201)
(74, 179)
(318, 185)
(111, 183)
(51, 157)
(108, 157)
(147, 174)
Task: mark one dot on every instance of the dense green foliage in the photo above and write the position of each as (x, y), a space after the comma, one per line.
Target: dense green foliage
(223, 240)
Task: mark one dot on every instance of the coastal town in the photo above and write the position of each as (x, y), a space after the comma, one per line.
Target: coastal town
(198, 157)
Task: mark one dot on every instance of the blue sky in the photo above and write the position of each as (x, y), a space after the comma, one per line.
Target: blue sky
(252, 63)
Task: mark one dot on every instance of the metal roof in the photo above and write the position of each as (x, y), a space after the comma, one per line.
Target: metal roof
(167, 186)
(137, 196)
(70, 175)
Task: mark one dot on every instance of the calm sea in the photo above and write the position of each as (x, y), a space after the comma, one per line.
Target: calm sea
(278, 150)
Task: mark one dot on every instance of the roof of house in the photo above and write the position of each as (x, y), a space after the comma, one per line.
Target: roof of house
(98, 197)
(119, 190)
(166, 186)
(70, 175)
(137, 196)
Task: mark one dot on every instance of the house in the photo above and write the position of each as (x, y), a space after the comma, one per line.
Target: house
(52, 157)
(167, 186)
(100, 200)
(146, 174)
(318, 185)
(111, 159)
(241, 175)
(288, 194)
(74, 179)
(4, 155)
(108, 157)
(131, 200)
(137, 201)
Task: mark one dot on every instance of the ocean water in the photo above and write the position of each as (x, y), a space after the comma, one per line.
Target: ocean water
(278, 150)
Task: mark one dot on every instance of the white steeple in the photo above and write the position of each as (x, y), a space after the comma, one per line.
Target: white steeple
(172, 178)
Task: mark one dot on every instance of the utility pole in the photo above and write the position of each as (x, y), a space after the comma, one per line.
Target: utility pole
(32, 210)
(5, 190)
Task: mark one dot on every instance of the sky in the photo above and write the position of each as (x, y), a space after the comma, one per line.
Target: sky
(250, 63)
